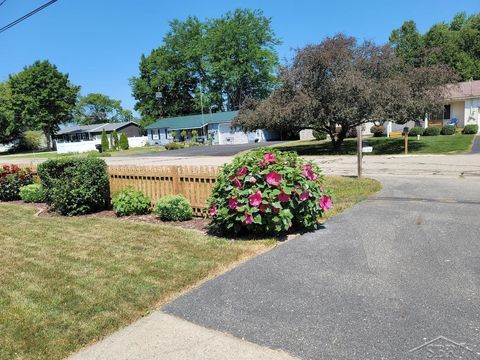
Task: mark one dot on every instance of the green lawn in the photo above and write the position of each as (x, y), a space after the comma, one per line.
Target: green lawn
(442, 144)
(67, 282)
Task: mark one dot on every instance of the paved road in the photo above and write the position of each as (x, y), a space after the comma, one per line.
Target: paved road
(216, 150)
(385, 277)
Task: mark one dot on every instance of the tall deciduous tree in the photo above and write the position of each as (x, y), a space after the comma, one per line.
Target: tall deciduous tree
(96, 108)
(9, 129)
(218, 62)
(42, 98)
(456, 44)
(339, 84)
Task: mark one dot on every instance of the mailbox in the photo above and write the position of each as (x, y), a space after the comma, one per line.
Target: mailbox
(405, 130)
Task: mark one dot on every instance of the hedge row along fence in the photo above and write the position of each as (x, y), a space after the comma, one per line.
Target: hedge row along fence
(194, 182)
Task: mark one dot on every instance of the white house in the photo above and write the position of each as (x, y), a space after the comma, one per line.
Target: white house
(215, 126)
(84, 138)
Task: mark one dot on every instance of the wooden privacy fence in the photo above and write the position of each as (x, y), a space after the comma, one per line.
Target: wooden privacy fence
(193, 182)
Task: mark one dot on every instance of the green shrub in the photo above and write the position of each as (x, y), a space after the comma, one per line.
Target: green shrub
(377, 130)
(75, 186)
(31, 140)
(319, 135)
(12, 178)
(130, 202)
(267, 191)
(32, 193)
(470, 129)
(124, 142)
(431, 131)
(183, 134)
(174, 146)
(448, 130)
(417, 130)
(173, 208)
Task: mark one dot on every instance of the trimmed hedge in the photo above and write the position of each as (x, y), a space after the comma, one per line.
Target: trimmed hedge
(431, 131)
(32, 193)
(448, 130)
(470, 129)
(75, 186)
(173, 208)
(417, 130)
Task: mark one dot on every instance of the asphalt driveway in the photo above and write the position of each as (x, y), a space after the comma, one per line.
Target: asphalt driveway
(385, 277)
(214, 150)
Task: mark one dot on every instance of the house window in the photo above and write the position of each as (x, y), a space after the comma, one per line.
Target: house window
(446, 112)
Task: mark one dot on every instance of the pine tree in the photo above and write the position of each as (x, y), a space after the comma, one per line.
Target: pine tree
(123, 141)
(105, 144)
(114, 140)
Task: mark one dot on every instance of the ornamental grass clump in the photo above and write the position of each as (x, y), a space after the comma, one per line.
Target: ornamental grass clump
(270, 192)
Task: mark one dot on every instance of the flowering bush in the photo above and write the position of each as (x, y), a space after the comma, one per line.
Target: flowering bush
(268, 192)
(12, 178)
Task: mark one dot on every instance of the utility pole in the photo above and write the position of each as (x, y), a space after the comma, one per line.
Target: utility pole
(359, 151)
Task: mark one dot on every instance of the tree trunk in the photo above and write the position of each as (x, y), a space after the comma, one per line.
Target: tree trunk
(48, 137)
(337, 139)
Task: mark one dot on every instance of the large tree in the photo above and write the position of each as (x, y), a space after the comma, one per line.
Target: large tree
(42, 98)
(219, 62)
(96, 108)
(456, 44)
(9, 129)
(339, 84)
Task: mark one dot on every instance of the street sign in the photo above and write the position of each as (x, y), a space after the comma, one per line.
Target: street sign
(367, 149)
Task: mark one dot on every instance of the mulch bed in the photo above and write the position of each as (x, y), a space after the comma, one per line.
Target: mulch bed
(199, 224)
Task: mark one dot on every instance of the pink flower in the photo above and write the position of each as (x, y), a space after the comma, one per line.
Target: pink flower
(262, 163)
(273, 178)
(262, 208)
(232, 203)
(248, 219)
(213, 211)
(276, 210)
(308, 172)
(269, 158)
(282, 197)
(255, 199)
(325, 202)
(252, 180)
(237, 183)
(242, 171)
(304, 195)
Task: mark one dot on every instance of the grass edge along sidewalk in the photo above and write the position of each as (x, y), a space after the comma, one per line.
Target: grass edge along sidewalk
(68, 282)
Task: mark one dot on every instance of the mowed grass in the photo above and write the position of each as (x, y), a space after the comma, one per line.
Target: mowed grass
(442, 144)
(66, 282)
(348, 191)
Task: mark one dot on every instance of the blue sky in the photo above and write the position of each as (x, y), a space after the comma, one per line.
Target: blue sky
(99, 42)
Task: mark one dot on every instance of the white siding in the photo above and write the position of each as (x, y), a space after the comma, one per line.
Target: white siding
(472, 110)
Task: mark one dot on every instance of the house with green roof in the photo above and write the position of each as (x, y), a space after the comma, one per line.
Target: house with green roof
(216, 127)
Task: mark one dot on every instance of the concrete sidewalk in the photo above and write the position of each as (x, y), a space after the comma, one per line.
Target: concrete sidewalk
(165, 337)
